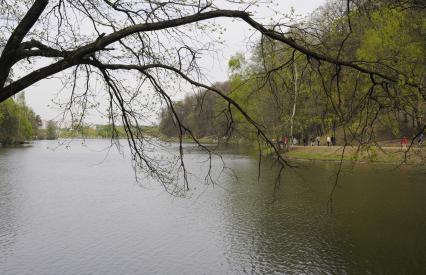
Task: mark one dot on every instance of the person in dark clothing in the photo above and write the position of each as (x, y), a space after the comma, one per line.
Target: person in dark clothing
(421, 139)
(278, 143)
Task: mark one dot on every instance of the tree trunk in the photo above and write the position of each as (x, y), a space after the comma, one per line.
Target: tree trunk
(294, 102)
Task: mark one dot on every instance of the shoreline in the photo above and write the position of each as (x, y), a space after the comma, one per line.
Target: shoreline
(363, 154)
(368, 154)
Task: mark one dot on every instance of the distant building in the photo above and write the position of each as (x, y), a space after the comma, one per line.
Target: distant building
(44, 124)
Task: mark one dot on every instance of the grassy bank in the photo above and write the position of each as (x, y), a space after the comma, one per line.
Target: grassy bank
(363, 154)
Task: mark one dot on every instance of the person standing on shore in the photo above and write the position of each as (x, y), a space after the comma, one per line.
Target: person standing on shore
(318, 140)
(421, 139)
(285, 143)
(404, 142)
(328, 141)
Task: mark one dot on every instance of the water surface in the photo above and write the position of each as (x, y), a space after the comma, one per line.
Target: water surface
(73, 211)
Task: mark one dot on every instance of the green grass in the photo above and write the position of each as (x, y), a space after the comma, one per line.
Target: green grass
(369, 154)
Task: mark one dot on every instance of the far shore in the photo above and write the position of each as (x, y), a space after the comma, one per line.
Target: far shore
(366, 154)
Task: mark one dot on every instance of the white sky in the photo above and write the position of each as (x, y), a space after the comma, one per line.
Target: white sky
(237, 34)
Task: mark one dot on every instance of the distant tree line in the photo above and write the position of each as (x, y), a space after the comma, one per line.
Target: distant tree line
(80, 130)
(19, 124)
(201, 112)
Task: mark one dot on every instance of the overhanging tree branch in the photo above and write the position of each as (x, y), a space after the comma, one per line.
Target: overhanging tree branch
(8, 54)
(231, 101)
(74, 57)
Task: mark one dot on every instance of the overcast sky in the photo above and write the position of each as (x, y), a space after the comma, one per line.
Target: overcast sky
(237, 34)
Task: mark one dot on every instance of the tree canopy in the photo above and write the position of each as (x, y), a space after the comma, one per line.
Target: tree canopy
(18, 122)
(304, 98)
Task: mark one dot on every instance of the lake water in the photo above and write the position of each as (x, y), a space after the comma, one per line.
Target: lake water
(77, 211)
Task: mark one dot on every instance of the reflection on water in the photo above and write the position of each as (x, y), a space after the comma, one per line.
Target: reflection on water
(61, 212)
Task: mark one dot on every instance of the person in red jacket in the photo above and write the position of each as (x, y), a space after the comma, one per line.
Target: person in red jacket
(404, 142)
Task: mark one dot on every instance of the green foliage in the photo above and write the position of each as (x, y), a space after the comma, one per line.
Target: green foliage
(18, 122)
(236, 63)
(51, 130)
(278, 80)
(204, 113)
(79, 130)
